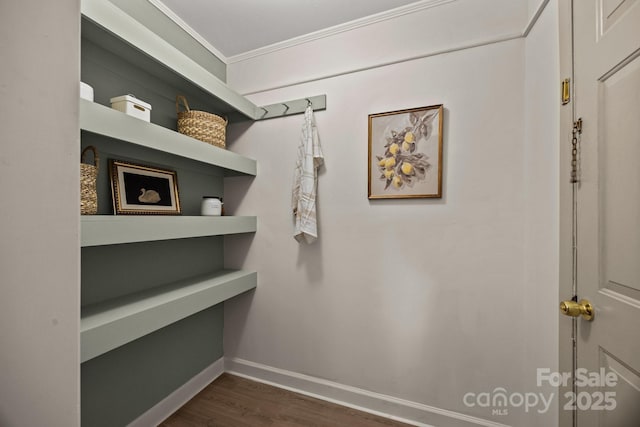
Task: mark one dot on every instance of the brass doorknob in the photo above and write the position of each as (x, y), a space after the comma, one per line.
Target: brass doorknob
(575, 309)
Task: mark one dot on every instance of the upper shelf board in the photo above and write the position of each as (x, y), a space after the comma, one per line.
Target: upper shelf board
(106, 121)
(117, 22)
(115, 30)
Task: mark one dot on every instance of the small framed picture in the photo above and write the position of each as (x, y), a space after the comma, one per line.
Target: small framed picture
(143, 190)
(405, 153)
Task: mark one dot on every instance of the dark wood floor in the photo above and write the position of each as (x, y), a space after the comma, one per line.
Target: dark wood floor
(231, 401)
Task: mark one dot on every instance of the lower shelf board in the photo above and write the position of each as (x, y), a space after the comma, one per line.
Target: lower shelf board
(108, 325)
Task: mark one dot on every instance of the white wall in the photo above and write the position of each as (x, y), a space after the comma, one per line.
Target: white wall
(421, 300)
(541, 171)
(39, 213)
(415, 299)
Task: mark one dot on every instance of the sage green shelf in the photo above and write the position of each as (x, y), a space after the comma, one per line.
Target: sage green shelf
(106, 121)
(133, 33)
(108, 325)
(100, 230)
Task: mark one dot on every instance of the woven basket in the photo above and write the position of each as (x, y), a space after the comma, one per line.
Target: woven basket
(201, 125)
(88, 176)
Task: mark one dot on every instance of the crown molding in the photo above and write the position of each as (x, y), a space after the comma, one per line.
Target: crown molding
(327, 32)
(193, 33)
(369, 20)
(337, 29)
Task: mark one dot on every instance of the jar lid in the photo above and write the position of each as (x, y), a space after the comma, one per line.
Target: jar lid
(212, 197)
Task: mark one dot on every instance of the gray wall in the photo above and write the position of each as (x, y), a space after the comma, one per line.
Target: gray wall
(120, 385)
(398, 297)
(39, 212)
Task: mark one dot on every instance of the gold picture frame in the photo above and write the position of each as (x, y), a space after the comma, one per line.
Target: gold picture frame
(143, 190)
(405, 153)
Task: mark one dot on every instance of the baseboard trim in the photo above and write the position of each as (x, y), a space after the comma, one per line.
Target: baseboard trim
(167, 406)
(401, 410)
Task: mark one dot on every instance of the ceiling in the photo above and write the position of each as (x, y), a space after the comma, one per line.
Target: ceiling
(238, 26)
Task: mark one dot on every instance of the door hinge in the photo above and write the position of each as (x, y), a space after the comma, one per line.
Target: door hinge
(577, 130)
(566, 91)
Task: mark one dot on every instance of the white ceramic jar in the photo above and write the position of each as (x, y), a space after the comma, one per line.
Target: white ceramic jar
(211, 206)
(86, 91)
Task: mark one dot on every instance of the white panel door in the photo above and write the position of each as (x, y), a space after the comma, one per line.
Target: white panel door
(607, 98)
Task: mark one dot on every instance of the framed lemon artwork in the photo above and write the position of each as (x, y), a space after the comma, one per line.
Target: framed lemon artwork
(405, 153)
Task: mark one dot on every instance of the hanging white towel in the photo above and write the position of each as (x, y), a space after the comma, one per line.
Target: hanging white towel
(305, 181)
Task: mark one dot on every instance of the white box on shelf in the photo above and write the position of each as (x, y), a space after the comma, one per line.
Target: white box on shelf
(132, 106)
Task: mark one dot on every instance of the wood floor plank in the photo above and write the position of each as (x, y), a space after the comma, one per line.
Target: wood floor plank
(232, 401)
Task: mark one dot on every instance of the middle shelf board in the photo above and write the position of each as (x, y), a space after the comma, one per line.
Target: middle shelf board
(108, 325)
(99, 230)
(106, 121)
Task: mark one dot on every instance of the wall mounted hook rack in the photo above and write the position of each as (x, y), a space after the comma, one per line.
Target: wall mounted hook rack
(297, 106)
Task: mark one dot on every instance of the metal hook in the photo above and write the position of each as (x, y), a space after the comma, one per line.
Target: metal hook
(286, 108)
(309, 103)
(265, 112)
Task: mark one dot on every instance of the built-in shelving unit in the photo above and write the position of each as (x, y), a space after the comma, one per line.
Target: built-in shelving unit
(113, 323)
(152, 286)
(136, 302)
